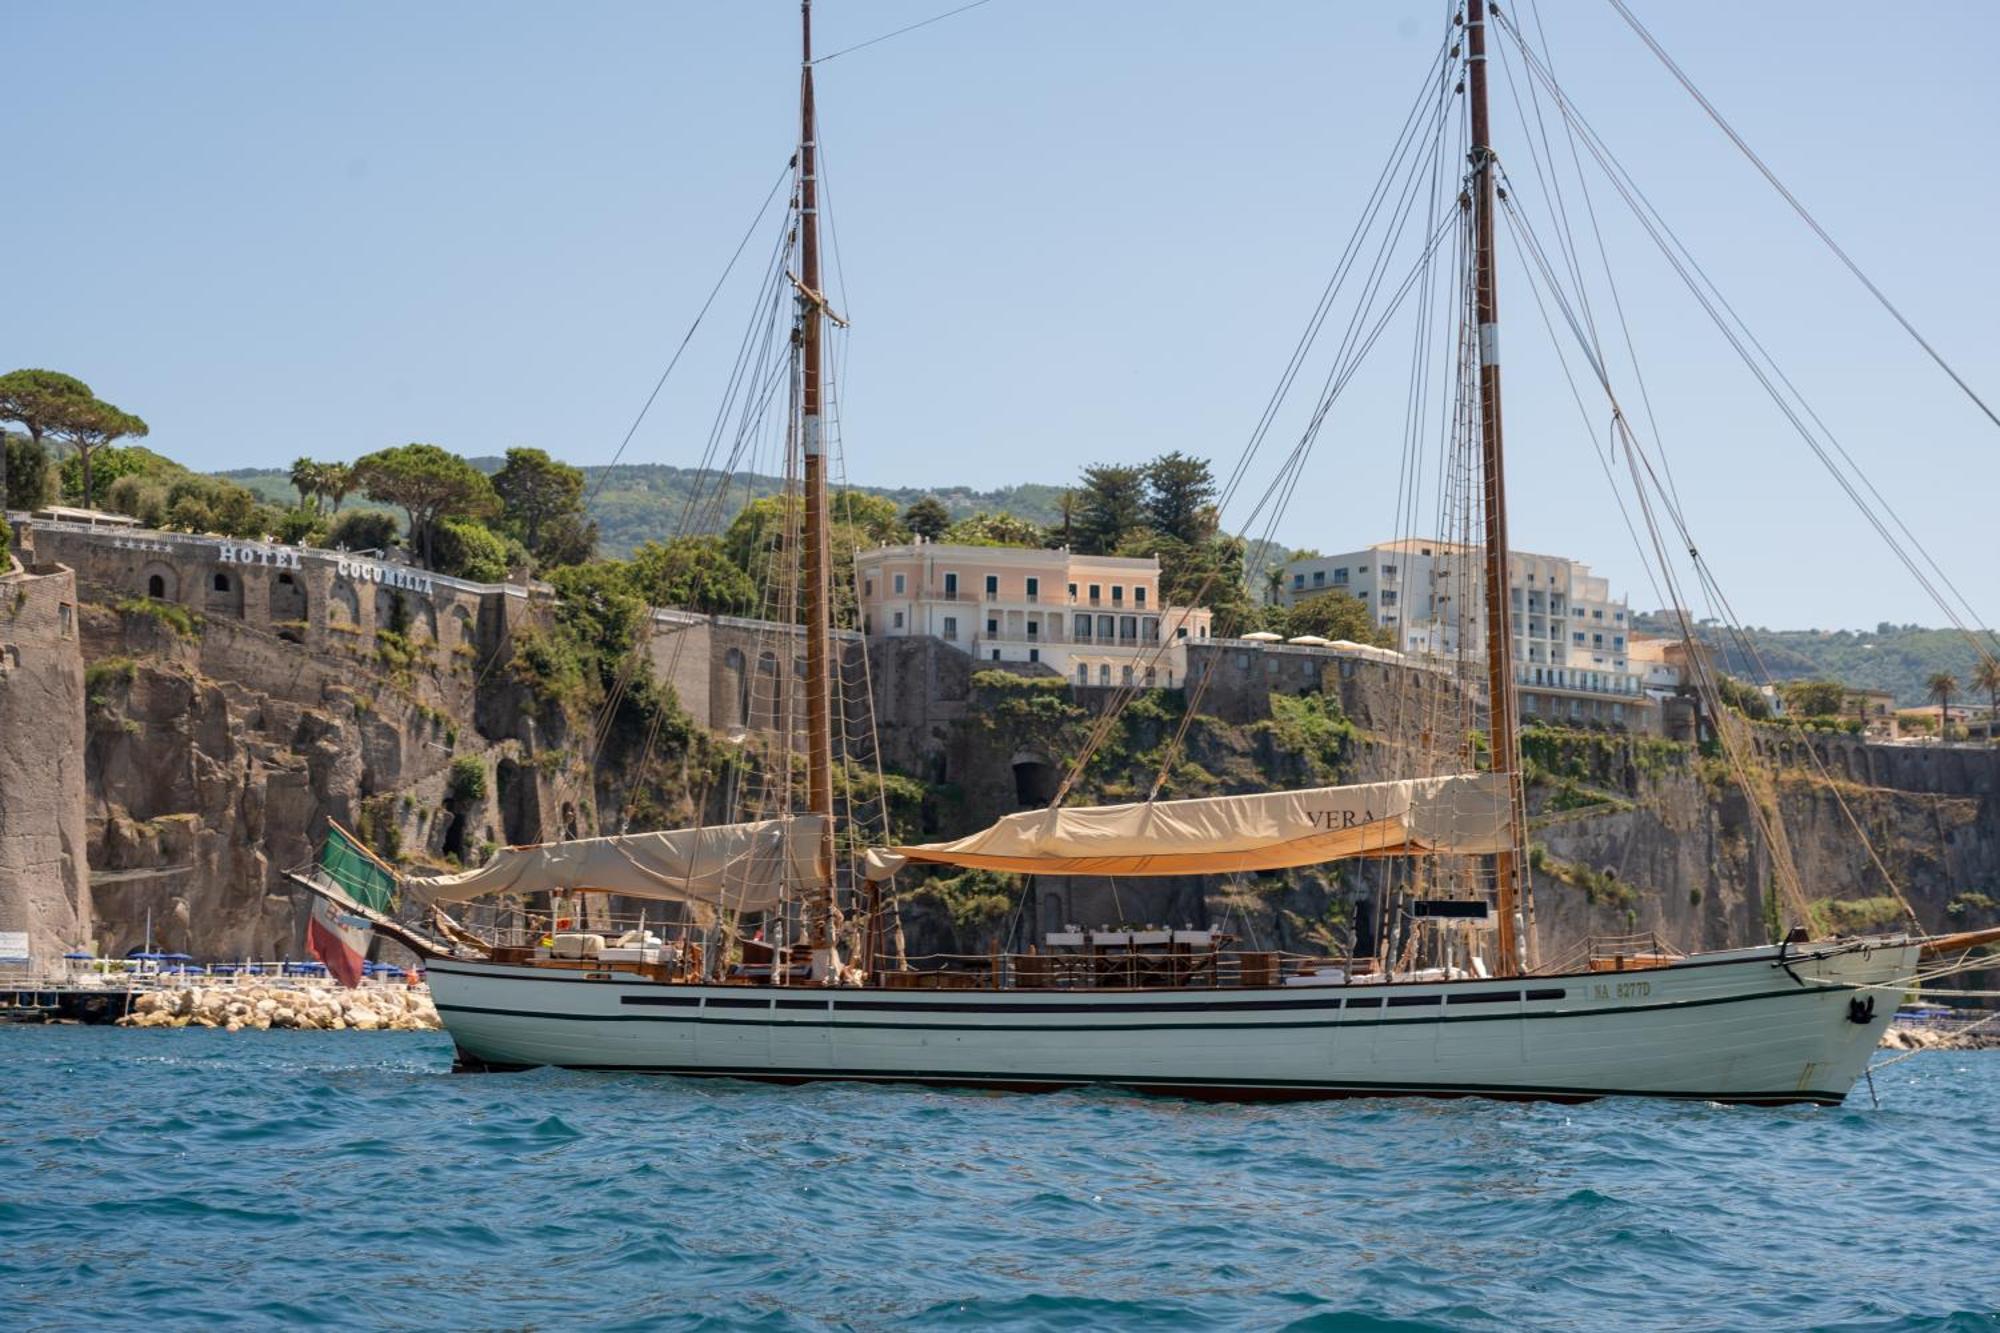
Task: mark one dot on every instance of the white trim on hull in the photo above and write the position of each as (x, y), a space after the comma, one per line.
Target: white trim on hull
(1765, 1025)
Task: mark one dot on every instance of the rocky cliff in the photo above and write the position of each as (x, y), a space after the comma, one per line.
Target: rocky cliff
(44, 878)
(215, 752)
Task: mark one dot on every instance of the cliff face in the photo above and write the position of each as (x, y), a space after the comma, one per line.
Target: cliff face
(1643, 836)
(216, 755)
(215, 752)
(44, 877)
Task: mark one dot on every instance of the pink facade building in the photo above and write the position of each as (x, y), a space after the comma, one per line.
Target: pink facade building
(1096, 620)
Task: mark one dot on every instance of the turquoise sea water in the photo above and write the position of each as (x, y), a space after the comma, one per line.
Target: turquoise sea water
(203, 1179)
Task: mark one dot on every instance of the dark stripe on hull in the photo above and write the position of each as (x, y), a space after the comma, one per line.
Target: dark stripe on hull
(1193, 1089)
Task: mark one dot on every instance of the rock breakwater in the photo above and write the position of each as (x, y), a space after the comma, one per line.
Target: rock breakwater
(306, 1008)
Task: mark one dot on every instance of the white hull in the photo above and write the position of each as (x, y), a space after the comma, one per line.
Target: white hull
(1766, 1025)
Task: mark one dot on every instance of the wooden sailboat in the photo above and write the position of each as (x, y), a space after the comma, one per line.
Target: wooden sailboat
(1172, 1011)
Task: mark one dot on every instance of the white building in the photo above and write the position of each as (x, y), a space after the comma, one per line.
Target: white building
(1094, 619)
(1570, 633)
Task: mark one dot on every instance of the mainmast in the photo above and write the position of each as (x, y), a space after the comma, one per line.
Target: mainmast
(818, 552)
(1504, 723)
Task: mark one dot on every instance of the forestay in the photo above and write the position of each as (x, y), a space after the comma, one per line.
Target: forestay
(741, 866)
(1464, 813)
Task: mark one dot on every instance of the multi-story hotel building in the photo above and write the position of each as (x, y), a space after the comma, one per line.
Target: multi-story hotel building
(1570, 633)
(1095, 619)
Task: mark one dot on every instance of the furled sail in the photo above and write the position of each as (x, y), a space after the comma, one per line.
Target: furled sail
(740, 866)
(1463, 813)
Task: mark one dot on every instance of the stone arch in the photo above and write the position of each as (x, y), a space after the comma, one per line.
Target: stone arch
(461, 628)
(763, 694)
(392, 611)
(426, 618)
(288, 604)
(735, 688)
(1052, 910)
(160, 582)
(1035, 779)
(342, 606)
(224, 594)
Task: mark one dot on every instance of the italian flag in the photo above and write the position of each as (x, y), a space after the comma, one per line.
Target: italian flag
(335, 935)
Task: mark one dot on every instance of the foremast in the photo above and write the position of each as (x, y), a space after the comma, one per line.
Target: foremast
(817, 563)
(1512, 900)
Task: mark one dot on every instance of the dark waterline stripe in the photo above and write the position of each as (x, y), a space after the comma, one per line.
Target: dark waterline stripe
(1198, 1087)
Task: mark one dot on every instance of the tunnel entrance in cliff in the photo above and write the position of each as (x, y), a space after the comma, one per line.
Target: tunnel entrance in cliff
(520, 810)
(1035, 779)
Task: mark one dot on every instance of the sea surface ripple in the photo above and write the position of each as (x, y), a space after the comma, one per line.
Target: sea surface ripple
(204, 1179)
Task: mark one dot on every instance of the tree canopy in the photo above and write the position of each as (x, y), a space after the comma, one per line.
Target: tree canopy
(927, 518)
(38, 401)
(1336, 615)
(994, 530)
(694, 574)
(541, 503)
(1814, 698)
(1180, 498)
(429, 484)
(1111, 504)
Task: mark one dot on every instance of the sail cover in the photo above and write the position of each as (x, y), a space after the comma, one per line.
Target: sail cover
(741, 866)
(1464, 813)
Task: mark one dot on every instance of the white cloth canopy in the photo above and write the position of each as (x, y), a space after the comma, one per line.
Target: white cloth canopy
(741, 866)
(1464, 813)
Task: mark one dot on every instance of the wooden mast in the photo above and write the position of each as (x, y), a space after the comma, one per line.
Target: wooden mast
(818, 553)
(1505, 737)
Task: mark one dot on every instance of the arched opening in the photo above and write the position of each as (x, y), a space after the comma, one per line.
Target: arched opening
(342, 607)
(288, 607)
(735, 688)
(520, 812)
(763, 707)
(453, 843)
(1035, 780)
(225, 594)
(161, 583)
(392, 611)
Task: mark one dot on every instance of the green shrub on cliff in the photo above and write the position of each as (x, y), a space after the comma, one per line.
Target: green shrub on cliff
(171, 614)
(1854, 916)
(973, 898)
(467, 781)
(1314, 727)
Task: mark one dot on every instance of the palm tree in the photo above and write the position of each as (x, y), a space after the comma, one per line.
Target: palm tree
(1986, 676)
(335, 481)
(306, 480)
(1942, 687)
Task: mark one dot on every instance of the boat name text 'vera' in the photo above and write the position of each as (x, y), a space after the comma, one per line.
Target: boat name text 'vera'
(237, 553)
(1339, 819)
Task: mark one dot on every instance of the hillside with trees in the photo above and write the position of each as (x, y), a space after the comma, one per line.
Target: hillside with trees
(634, 503)
(1902, 659)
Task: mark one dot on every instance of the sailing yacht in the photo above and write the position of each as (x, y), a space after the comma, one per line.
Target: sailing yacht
(1165, 1011)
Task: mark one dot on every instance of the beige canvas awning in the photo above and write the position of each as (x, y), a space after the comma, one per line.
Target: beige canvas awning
(1466, 813)
(740, 866)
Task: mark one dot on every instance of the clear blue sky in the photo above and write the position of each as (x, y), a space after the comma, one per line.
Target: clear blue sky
(1070, 232)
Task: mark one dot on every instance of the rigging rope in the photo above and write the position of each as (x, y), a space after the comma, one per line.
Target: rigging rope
(935, 18)
(1805, 214)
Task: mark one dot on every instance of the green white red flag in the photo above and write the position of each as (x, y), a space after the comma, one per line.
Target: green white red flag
(336, 935)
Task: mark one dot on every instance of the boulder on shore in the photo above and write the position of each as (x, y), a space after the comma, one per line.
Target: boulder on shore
(288, 1005)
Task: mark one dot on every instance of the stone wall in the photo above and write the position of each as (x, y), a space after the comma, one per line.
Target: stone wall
(44, 871)
(327, 601)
